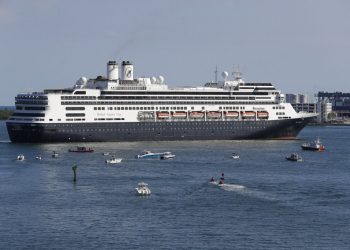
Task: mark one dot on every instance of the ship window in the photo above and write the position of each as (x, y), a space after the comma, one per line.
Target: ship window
(50, 120)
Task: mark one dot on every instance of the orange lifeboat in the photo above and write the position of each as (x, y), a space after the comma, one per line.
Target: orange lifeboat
(263, 114)
(248, 114)
(197, 114)
(213, 114)
(231, 114)
(162, 115)
(179, 114)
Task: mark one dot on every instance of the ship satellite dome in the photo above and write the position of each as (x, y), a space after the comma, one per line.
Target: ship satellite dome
(224, 74)
(82, 81)
(153, 79)
(161, 79)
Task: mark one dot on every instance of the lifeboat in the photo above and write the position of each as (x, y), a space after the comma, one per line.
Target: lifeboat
(196, 114)
(263, 114)
(179, 114)
(248, 114)
(162, 115)
(231, 114)
(213, 114)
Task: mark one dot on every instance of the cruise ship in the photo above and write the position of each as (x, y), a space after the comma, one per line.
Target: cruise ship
(124, 108)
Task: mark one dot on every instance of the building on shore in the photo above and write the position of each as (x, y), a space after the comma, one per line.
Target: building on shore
(334, 106)
(296, 98)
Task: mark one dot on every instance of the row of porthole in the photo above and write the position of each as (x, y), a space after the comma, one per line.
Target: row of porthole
(152, 129)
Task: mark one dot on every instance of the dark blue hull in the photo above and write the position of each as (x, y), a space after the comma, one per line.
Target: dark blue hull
(154, 131)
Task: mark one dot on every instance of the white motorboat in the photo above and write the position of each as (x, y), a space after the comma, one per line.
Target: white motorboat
(235, 156)
(54, 154)
(105, 153)
(142, 189)
(113, 160)
(20, 157)
(149, 154)
(167, 156)
(38, 157)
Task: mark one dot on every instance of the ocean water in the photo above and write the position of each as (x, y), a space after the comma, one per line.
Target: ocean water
(266, 203)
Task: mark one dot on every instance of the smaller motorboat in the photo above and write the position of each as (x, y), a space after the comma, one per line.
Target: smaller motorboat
(38, 157)
(20, 157)
(143, 189)
(54, 154)
(294, 157)
(313, 146)
(81, 150)
(235, 156)
(105, 153)
(113, 160)
(167, 156)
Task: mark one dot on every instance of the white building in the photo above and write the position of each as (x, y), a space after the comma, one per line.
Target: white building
(323, 109)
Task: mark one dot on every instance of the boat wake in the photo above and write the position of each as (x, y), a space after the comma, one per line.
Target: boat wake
(232, 187)
(243, 190)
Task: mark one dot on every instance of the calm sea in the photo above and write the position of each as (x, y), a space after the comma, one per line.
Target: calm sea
(267, 202)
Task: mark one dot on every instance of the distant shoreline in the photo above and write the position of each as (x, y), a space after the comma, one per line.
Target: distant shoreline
(329, 124)
(6, 112)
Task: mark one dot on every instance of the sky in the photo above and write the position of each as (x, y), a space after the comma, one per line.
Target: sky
(301, 46)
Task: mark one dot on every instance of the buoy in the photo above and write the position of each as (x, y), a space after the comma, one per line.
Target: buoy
(74, 168)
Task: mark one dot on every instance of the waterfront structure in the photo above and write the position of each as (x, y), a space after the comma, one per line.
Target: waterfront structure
(335, 103)
(296, 98)
(114, 108)
(324, 108)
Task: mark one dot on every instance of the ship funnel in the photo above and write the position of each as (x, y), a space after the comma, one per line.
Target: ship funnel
(112, 70)
(128, 70)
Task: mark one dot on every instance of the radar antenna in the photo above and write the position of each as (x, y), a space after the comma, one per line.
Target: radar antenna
(236, 73)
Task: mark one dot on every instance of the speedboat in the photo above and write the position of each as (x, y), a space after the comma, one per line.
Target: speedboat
(235, 156)
(149, 154)
(105, 153)
(313, 146)
(20, 157)
(54, 154)
(142, 189)
(38, 157)
(167, 156)
(81, 150)
(294, 157)
(113, 160)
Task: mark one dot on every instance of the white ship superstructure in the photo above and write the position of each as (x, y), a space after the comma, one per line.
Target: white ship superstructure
(114, 108)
